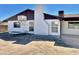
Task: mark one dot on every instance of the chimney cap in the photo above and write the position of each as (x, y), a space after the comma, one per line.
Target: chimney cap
(61, 13)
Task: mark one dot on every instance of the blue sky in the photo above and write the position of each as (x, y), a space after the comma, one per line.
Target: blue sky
(8, 10)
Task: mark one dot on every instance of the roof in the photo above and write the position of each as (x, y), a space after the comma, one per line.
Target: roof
(30, 15)
(3, 23)
(71, 17)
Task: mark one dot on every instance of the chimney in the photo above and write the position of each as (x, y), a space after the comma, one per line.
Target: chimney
(61, 13)
(39, 24)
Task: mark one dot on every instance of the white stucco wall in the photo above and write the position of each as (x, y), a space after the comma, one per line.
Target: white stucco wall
(66, 30)
(49, 21)
(11, 28)
(40, 26)
(22, 29)
(25, 28)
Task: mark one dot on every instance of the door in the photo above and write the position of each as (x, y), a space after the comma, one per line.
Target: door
(55, 27)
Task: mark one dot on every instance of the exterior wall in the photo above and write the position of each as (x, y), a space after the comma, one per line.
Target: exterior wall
(25, 28)
(22, 29)
(11, 28)
(28, 26)
(65, 29)
(49, 21)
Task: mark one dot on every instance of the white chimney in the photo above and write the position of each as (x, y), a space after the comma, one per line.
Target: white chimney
(40, 26)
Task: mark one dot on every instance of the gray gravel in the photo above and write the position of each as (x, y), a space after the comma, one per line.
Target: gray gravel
(26, 38)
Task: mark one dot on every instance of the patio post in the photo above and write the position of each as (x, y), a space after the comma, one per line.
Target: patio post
(61, 15)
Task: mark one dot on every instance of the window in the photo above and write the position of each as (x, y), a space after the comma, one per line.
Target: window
(16, 25)
(31, 26)
(54, 27)
(73, 25)
(21, 17)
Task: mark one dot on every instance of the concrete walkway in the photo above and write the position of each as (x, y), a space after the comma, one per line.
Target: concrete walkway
(72, 40)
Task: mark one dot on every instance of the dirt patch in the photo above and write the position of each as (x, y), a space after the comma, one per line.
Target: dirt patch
(35, 48)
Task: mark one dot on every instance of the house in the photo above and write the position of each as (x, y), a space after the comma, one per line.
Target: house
(37, 22)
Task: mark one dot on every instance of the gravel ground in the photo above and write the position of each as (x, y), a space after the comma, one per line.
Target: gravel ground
(27, 44)
(35, 48)
(27, 38)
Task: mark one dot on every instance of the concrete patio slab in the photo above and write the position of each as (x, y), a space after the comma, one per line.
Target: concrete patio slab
(72, 40)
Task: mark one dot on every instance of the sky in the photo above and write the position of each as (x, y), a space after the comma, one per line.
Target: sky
(8, 10)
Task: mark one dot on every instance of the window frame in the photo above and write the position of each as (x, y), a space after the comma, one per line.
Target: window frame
(31, 26)
(73, 26)
(52, 27)
(15, 25)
